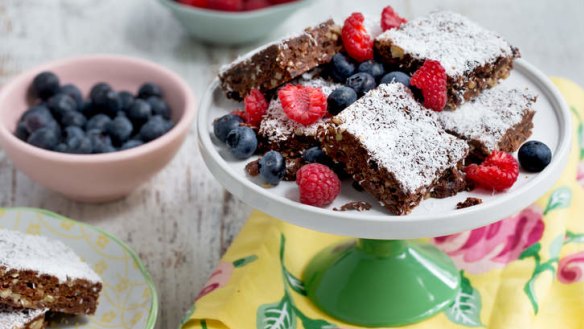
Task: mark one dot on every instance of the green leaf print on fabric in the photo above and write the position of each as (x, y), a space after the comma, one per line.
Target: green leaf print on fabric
(278, 315)
(572, 237)
(282, 315)
(466, 309)
(556, 246)
(244, 261)
(560, 198)
(580, 131)
(540, 268)
(295, 283)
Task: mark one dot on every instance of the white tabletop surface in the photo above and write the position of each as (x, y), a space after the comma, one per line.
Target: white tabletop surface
(182, 221)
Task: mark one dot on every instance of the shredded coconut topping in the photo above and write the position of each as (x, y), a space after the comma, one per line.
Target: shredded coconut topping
(459, 44)
(15, 319)
(37, 253)
(276, 126)
(489, 116)
(401, 136)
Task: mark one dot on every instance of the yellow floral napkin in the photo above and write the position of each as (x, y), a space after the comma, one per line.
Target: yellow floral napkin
(521, 272)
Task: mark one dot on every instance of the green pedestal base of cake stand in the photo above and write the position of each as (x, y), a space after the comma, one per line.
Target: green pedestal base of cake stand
(378, 283)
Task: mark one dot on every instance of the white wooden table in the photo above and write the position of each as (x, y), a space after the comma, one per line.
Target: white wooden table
(182, 221)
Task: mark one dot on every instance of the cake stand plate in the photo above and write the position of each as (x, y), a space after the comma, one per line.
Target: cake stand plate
(383, 280)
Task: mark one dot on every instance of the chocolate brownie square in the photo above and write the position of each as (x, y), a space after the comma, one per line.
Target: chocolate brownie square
(39, 273)
(474, 58)
(499, 119)
(392, 146)
(279, 62)
(11, 318)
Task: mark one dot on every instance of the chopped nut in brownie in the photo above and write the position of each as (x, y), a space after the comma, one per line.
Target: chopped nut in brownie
(292, 167)
(253, 168)
(452, 182)
(355, 205)
(469, 202)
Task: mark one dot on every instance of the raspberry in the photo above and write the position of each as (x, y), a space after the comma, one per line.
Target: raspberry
(226, 5)
(356, 39)
(390, 19)
(195, 3)
(255, 4)
(499, 171)
(304, 105)
(278, 2)
(431, 79)
(255, 107)
(318, 184)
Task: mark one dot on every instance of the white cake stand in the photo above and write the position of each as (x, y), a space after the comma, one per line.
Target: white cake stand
(384, 280)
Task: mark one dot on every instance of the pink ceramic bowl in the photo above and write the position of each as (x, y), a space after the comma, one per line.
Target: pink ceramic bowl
(99, 177)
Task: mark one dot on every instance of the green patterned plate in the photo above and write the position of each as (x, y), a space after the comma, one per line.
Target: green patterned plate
(128, 299)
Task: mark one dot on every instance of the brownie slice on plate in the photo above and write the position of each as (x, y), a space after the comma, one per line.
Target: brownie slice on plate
(499, 119)
(474, 58)
(392, 146)
(11, 318)
(39, 273)
(279, 62)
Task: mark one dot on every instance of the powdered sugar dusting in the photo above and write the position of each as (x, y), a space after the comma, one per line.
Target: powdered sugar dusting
(488, 117)
(401, 136)
(459, 44)
(16, 319)
(276, 126)
(28, 252)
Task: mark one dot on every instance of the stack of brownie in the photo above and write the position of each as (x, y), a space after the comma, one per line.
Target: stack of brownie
(38, 276)
(392, 146)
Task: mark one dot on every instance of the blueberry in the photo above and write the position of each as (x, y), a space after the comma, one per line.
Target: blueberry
(80, 145)
(340, 99)
(100, 142)
(159, 107)
(21, 131)
(45, 85)
(154, 128)
(242, 142)
(361, 83)
(62, 148)
(150, 89)
(139, 112)
(88, 109)
(108, 103)
(126, 99)
(315, 155)
(38, 117)
(342, 68)
(61, 104)
(223, 125)
(272, 167)
(534, 156)
(45, 138)
(98, 90)
(131, 144)
(73, 118)
(373, 68)
(396, 76)
(98, 122)
(74, 93)
(119, 129)
(74, 131)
